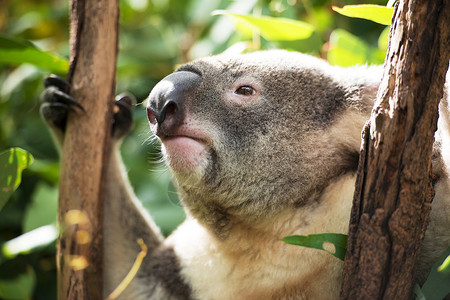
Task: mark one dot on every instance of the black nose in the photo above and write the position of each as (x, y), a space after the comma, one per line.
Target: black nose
(168, 97)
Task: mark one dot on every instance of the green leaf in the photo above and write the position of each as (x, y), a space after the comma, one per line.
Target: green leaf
(12, 163)
(437, 285)
(15, 51)
(376, 13)
(348, 50)
(20, 287)
(383, 39)
(320, 241)
(27, 242)
(418, 292)
(445, 267)
(272, 29)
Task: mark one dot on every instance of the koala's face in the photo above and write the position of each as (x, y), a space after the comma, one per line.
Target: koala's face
(238, 130)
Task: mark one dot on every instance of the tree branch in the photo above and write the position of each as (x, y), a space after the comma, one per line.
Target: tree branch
(393, 190)
(94, 38)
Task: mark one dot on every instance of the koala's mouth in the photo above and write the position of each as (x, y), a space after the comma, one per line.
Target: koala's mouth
(181, 139)
(184, 145)
(184, 153)
(181, 133)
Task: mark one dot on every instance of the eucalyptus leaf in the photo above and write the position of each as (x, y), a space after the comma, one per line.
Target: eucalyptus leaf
(318, 241)
(14, 51)
(418, 292)
(437, 285)
(376, 13)
(272, 29)
(445, 266)
(12, 162)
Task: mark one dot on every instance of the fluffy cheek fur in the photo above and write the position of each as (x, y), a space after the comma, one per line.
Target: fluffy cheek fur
(227, 178)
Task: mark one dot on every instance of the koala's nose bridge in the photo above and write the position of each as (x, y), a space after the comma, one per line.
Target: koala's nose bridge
(167, 99)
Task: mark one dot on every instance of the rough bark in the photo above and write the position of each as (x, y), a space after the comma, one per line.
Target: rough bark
(393, 190)
(94, 37)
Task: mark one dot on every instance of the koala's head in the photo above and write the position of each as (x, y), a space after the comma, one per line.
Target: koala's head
(257, 132)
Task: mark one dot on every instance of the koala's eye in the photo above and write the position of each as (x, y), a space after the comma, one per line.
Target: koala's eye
(245, 91)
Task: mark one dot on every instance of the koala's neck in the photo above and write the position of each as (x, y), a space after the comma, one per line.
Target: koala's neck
(236, 236)
(210, 214)
(227, 224)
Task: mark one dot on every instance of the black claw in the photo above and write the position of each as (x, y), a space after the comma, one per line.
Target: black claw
(56, 102)
(56, 81)
(57, 90)
(61, 106)
(65, 98)
(125, 100)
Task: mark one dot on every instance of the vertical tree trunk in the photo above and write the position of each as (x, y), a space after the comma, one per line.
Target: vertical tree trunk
(393, 190)
(94, 38)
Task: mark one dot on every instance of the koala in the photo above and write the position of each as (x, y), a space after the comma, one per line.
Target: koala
(261, 146)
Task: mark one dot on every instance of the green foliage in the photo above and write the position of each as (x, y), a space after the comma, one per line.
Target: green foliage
(30, 241)
(17, 51)
(383, 40)
(417, 291)
(444, 268)
(376, 13)
(19, 288)
(333, 243)
(437, 285)
(43, 208)
(348, 50)
(272, 29)
(344, 48)
(12, 163)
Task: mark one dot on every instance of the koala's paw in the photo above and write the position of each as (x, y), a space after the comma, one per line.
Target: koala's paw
(123, 116)
(57, 104)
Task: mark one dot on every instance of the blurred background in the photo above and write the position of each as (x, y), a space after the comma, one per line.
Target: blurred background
(155, 37)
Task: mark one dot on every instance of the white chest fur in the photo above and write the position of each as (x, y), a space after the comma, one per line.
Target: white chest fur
(255, 264)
